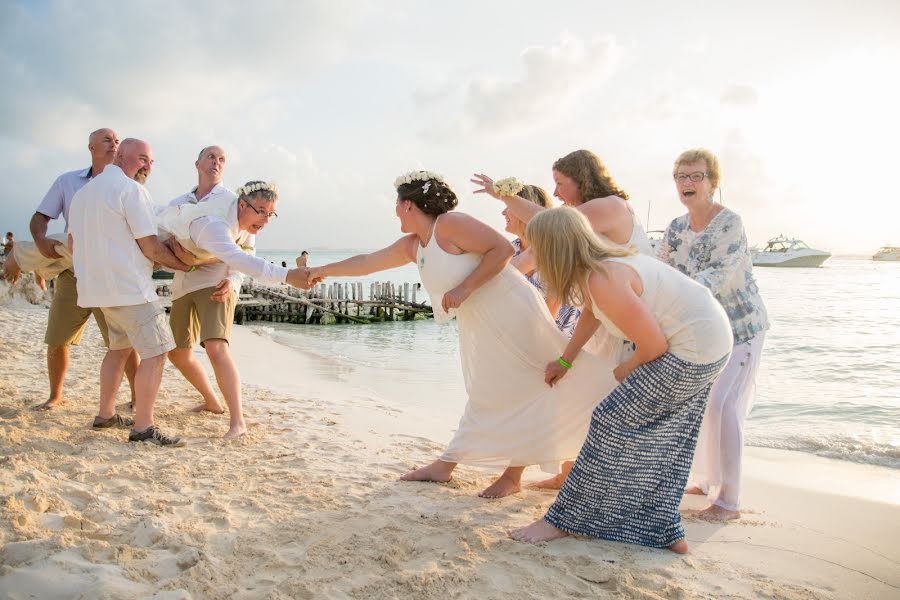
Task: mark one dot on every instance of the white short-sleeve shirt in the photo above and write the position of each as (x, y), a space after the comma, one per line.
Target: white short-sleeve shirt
(58, 198)
(106, 216)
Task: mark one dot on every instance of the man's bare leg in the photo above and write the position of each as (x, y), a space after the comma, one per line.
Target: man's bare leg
(439, 471)
(509, 482)
(190, 367)
(147, 380)
(111, 371)
(556, 482)
(229, 381)
(57, 365)
(131, 365)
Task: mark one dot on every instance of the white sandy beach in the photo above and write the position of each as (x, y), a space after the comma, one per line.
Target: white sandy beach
(308, 504)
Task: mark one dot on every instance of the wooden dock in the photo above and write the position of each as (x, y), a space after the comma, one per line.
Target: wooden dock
(325, 303)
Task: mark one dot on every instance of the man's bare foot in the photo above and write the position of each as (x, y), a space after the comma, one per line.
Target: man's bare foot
(717, 513)
(438, 471)
(235, 432)
(216, 409)
(695, 491)
(679, 547)
(48, 405)
(539, 531)
(504, 486)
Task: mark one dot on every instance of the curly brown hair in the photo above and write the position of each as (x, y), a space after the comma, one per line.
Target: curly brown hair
(590, 174)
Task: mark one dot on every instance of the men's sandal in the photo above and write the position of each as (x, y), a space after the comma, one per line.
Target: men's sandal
(153, 434)
(113, 421)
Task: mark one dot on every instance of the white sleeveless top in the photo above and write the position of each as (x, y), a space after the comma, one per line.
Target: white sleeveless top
(693, 321)
(441, 271)
(639, 237)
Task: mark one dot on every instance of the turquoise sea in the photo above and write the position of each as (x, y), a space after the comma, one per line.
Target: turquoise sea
(829, 382)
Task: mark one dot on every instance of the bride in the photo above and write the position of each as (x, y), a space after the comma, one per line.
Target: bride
(506, 337)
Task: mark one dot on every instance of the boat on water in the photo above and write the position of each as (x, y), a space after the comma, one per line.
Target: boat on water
(782, 251)
(655, 237)
(888, 253)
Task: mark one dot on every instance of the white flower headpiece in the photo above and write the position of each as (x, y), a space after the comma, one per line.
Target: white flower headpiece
(418, 176)
(256, 187)
(508, 187)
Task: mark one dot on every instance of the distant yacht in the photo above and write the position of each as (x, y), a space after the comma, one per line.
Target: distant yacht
(655, 237)
(888, 253)
(788, 252)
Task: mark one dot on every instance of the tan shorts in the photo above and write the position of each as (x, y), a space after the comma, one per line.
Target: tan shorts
(66, 322)
(195, 317)
(142, 327)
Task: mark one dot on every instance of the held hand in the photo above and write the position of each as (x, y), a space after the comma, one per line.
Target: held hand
(316, 275)
(486, 183)
(181, 254)
(300, 278)
(47, 247)
(454, 298)
(554, 372)
(223, 290)
(621, 372)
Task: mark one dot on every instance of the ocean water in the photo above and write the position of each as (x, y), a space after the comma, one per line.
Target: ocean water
(829, 382)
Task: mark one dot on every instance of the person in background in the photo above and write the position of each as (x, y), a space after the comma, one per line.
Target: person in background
(709, 245)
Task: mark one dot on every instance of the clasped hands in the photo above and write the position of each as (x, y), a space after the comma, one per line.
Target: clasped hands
(304, 277)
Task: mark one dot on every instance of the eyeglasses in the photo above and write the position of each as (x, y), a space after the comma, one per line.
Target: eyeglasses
(695, 177)
(271, 215)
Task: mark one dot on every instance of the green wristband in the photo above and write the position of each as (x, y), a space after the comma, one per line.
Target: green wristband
(563, 362)
(192, 269)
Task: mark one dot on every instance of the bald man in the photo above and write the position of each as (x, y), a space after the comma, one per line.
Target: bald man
(66, 321)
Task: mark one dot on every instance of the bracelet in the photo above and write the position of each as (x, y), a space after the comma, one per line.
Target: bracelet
(563, 362)
(192, 269)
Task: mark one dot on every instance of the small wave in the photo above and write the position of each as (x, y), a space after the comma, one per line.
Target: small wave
(835, 446)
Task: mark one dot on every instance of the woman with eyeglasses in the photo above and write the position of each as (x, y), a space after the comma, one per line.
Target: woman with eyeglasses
(709, 245)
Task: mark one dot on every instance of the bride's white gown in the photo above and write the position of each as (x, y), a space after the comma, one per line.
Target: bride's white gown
(506, 338)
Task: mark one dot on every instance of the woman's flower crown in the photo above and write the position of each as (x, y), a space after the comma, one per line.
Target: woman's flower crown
(246, 190)
(418, 176)
(508, 187)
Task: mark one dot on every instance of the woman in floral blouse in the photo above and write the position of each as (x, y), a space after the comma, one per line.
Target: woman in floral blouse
(709, 245)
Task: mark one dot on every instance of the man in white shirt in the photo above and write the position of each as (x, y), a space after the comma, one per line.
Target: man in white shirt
(67, 320)
(204, 300)
(107, 216)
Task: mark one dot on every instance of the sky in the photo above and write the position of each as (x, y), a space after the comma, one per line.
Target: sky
(332, 100)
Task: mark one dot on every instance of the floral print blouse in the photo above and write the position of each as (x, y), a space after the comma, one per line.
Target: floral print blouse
(718, 258)
(567, 317)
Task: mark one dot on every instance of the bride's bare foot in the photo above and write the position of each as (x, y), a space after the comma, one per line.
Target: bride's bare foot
(216, 409)
(679, 547)
(504, 486)
(556, 482)
(695, 491)
(438, 471)
(235, 432)
(539, 531)
(717, 513)
(48, 405)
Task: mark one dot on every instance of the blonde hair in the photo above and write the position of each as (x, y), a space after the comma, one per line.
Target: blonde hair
(567, 250)
(590, 175)
(695, 155)
(535, 195)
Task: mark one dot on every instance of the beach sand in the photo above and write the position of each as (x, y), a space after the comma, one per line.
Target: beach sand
(308, 505)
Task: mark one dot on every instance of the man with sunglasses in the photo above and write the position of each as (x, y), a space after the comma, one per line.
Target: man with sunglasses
(204, 299)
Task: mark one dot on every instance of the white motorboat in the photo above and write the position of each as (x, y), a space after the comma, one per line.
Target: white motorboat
(788, 252)
(655, 238)
(887, 253)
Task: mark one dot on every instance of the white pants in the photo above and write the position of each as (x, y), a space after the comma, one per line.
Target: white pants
(717, 460)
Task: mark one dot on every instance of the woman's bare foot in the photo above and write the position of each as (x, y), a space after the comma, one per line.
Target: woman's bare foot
(235, 432)
(679, 547)
(556, 482)
(48, 405)
(539, 531)
(504, 486)
(717, 513)
(216, 409)
(695, 491)
(438, 471)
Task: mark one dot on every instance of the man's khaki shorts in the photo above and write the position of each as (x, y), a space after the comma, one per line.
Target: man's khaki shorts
(66, 322)
(195, 317)
(142, 327)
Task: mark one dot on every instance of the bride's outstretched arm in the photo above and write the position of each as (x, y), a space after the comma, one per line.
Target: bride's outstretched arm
(397, 254)
(471, 235)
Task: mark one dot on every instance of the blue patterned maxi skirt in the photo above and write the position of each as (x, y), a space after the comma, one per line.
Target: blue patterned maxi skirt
(628, 479)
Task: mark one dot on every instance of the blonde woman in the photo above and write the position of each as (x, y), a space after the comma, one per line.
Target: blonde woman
(628, 478)
(512, 418)
(708, 244)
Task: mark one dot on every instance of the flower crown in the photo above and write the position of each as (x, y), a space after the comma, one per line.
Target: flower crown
(426, 176)
(508, 187)
(246, 190)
